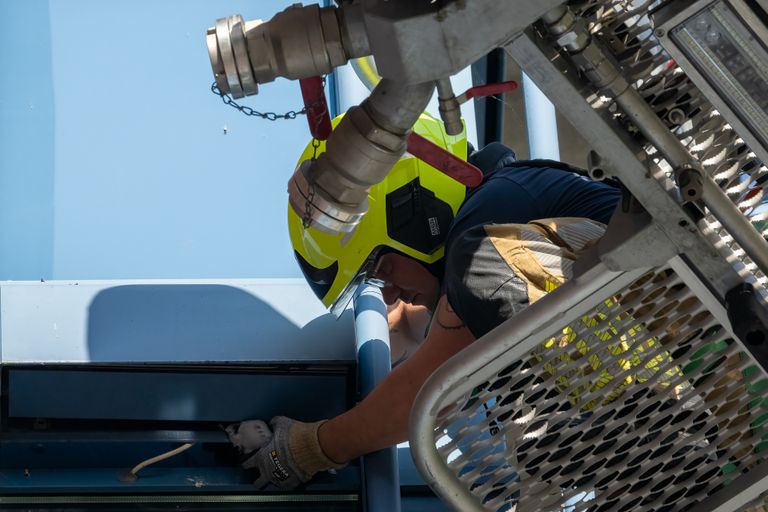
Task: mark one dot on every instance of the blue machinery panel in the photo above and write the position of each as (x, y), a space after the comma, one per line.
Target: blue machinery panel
(174, 395)
(90, 387)
(75, 416)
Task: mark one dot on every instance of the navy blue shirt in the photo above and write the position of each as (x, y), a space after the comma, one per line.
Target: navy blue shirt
(517, 192)
(480, 285)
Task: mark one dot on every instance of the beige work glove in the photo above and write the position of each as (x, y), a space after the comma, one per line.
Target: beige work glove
(290, 456)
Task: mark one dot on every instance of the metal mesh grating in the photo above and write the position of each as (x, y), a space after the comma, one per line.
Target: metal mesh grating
(625, 29)
(644, 403)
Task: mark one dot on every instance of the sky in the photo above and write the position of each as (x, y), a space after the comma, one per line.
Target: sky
(114, 161)
(114, 158)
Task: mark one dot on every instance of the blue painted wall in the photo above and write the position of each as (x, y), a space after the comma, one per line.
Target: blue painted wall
(114, 163)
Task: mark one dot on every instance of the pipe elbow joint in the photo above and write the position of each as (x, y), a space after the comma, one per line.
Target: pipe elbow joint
(299, 42)
(331, 193)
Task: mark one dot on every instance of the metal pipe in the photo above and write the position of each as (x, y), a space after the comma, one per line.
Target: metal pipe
(688, 172)
(541, 122)
(298, 42)
(396, 106)
(368, 141)
(573, 36)
(653, 128)
(595, 166)
(380, 469)
(331, 193)
(448, 106)
(738, 226)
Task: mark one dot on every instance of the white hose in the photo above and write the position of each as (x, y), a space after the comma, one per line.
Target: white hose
(158, 458)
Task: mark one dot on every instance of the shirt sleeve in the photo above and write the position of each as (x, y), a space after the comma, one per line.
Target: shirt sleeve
(480, 286)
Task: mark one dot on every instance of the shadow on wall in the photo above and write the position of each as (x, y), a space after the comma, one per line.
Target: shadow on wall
(198, 323)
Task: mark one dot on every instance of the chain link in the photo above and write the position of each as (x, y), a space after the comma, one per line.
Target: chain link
(291, 114)
(306, 219)
(269, 116)
(308, 206)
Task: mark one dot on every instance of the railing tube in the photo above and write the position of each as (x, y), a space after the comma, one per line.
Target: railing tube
(380, 469)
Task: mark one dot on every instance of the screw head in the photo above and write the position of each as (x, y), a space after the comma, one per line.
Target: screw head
(660, 32)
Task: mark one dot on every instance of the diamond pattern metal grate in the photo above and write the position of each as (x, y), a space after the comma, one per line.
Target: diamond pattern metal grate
(645, 403)
(625, 29)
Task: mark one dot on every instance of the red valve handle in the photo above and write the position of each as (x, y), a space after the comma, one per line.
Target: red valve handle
(480, 91)
(444, 161)
(318, 116)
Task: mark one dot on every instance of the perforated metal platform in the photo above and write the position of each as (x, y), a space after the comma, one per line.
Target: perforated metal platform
(643, 402)
(636, 386)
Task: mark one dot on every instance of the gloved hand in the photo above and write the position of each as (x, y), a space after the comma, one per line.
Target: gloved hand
(287, 459)
(249, 436)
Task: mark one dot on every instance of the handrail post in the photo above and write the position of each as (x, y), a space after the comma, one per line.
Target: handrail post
(380, 470)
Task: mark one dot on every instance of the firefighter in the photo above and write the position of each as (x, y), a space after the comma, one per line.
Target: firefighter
(462, 261)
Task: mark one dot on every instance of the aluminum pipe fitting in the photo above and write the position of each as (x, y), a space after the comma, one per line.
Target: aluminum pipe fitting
(299, 42)
(331, 193)
(449, 108)
(571, 33)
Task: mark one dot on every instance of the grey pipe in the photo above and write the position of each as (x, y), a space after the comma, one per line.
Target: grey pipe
(369, 140)
(331, 193)
(653, 128)
(448, 106)
(396, 106)
(573, 36)
(298, 42)
(596, 166)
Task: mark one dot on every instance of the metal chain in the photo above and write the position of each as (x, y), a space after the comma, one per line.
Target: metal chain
(269, 116)
(272, 116)
(315, 142)
(308, 206)
(306, 219)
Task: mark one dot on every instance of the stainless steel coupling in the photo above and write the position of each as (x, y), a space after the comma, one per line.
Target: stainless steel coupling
(299, 42)
(228, 52)
(318, 209)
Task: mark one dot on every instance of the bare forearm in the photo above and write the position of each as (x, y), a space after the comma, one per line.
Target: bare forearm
(381, 419)
(407, 326)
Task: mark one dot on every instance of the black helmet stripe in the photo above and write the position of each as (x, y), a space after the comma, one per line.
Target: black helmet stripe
(319, 279)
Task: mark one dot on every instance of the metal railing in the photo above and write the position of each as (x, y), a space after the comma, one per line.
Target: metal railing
(624, 389)
(635, 396)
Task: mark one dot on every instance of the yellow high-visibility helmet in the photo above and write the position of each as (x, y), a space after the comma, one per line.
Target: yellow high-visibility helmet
(409, 212)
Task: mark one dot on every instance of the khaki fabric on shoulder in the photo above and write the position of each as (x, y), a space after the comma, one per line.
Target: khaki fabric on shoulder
(542, 252)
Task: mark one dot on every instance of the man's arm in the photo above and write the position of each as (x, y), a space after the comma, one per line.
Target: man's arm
(381, 419)
(407, 329)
